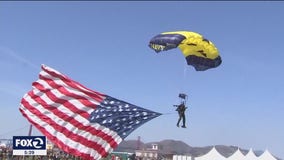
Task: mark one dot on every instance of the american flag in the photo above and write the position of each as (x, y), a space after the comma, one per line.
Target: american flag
(78, 120)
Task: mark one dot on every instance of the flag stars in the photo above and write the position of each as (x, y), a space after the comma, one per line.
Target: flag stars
(129, 126)
(120, 116)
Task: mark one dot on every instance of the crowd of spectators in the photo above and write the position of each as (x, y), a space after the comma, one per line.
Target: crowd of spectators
(52, 154)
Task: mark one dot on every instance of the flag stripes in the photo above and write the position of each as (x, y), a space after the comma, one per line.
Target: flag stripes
(59, 107)
(78, 120)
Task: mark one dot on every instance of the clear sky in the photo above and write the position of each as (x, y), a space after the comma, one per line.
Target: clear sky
(103, 45)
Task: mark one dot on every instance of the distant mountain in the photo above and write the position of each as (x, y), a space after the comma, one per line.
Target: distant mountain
(129, 146)
(179, 147)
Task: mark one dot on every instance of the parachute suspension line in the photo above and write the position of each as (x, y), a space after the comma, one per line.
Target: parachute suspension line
(184, 71)
(169, 113)
(182, 96)
(184, 80)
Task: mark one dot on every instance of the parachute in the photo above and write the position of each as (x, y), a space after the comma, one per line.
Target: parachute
(198, 51)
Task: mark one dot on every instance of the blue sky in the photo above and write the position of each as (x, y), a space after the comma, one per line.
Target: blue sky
(103, 45)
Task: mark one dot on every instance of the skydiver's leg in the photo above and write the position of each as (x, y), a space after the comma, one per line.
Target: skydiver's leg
(179, 120)
(183, 121)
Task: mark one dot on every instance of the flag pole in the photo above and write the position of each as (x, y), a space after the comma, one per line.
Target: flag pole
(30, 130)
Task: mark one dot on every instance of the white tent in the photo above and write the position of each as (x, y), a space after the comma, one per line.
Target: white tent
(181, 157)
(2, 145)
(238, 155)
(266, 156)
(213, 154)
(250, 156)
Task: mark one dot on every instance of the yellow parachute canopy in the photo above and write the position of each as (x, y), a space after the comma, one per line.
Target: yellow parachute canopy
(198, 51)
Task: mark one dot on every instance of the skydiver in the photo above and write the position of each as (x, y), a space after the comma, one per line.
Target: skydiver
(181, 112)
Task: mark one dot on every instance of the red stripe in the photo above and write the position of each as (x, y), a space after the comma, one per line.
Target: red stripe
(56, 141)
(74, 109)
(63, 130)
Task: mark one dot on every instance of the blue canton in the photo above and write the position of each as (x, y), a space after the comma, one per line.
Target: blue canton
(120, 116)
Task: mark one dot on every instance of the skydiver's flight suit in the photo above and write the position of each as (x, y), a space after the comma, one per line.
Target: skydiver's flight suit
(181, 111)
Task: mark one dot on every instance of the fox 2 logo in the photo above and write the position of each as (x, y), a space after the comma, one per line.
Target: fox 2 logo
(29, 142)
